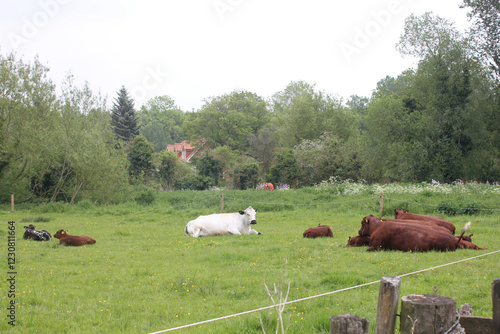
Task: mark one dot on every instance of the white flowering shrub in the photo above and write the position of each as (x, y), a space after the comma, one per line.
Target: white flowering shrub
(348, 187)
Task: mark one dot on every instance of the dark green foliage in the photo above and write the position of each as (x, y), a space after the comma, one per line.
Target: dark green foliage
(167, 169)
(452, 209)
(140, 157)
(471, 209)
(36, 219)
(123, 118)
(246, 176)
(485, 18)
(448, 208)
(146, 197)
(285, 171)
(194, 182)
(210, 167)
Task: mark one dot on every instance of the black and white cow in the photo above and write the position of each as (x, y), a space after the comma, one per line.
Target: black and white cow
(31, 233)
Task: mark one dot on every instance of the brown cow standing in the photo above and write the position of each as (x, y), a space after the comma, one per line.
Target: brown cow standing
(358, 241)
(320, 231)
(73, 240)
(406, 215)
(407, 237)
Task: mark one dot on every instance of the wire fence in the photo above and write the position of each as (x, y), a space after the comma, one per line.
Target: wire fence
(319, 295)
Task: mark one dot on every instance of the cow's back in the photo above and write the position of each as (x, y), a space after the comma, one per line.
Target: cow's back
(399, 214)
(214, 224)
(410, 238)
(76, 240)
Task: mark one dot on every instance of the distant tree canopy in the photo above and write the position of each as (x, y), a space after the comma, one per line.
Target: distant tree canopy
(439, 121)
(485, 18)
(228, 120)
(123, 118)
(160, 122)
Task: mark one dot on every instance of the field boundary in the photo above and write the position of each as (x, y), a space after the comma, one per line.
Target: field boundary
(354, 200)
(319, 295)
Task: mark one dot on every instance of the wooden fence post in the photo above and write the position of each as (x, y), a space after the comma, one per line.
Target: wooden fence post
(381, 204)
(349, 324)
(388, 301)
(221, 202)
(12, 202)
(496, 305)
(427, 314)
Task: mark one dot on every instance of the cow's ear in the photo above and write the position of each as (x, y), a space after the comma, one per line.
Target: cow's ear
(255, 210)
(242, 212)
(63, 232)
(349, 238)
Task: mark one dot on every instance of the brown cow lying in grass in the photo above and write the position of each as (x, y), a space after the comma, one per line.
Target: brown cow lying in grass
(406, 215)
(73, 240)
(428, 223)
(407, 237)
(466, 243)
(358, 241)
(320, 231)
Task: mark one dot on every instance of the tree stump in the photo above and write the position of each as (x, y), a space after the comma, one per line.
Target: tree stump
(427, 314)
(349, 324)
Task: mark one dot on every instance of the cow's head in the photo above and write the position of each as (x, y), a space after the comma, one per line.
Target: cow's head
(249, 215)
(29, 227)
(365, 227)
(61, 233)
(399, 212)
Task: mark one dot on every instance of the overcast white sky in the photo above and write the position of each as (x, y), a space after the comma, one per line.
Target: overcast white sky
(194, 49)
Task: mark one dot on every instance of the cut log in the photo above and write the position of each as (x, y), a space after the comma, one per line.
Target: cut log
(427, 314)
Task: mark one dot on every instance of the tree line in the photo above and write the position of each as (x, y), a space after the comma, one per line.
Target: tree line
(438, 121)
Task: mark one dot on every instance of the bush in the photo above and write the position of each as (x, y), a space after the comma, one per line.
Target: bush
(246, 176)
(448, 208)
(471, 209)
(146, 197)
(194, 182)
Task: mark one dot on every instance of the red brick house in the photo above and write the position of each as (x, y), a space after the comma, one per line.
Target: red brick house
(185, 150)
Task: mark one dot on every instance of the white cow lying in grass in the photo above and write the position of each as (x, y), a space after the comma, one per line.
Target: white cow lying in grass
(223, 223)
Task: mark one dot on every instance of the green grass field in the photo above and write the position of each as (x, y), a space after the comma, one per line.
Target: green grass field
(144, 275)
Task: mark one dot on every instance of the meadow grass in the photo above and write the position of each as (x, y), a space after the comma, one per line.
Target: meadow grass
(144, 275)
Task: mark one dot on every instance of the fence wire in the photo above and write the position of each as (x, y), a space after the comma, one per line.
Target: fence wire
(317, 296)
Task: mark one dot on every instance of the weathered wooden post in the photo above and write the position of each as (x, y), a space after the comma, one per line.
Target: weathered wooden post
(349, 324)
(426, 314)
(496, 305)
(221, 202)
(388, 301)
(12, 202)
(381, 204)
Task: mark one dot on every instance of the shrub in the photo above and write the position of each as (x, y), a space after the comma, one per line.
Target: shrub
(246, 176)
(471, 209)
(146, 197)
(448, 208)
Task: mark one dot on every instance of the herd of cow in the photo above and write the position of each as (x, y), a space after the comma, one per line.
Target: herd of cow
(410, 232)
(64, 238)
(406, 232)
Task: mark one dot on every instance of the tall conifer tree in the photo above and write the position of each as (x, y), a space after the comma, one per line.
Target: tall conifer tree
(124, 121)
